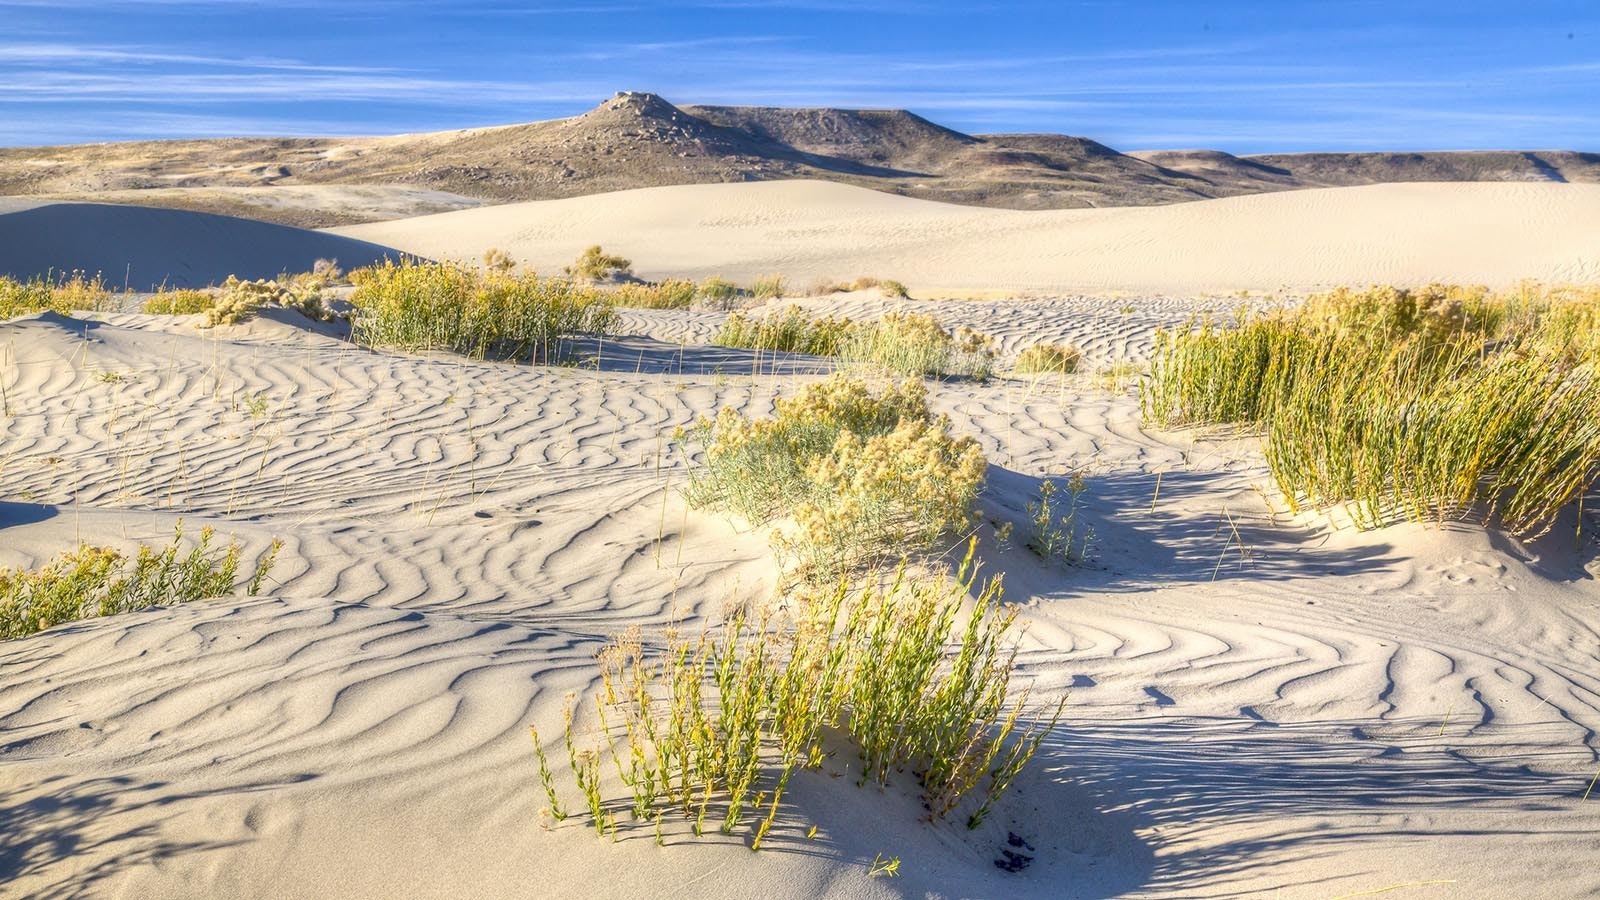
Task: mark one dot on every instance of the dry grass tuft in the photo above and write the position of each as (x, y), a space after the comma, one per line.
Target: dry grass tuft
(1048, 359)
(594, 264)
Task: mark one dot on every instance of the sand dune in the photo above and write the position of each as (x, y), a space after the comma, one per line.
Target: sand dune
(1259, 705)
(1400, 233)
(140, 247)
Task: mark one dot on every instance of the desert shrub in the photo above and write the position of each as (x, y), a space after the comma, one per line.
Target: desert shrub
(497, 260)
(97, 581)
(676, 293)
(891, 288)
(443, 306)
(793, 331)
(916, 344)
(57, 293)
(863, 476)
(720, 292)
(238, 300)
(769, 287)
(597, 265)
(179, 303)
(1438, 404)
(822, 287)
(1057, 534)
(710, 728)
(1046, 358)
(900, 343)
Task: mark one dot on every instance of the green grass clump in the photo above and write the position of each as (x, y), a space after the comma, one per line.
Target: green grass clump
(898, 343)
(595, 264)
(1048, 359)
(715, 728)
(180, 302)
(791, 332)
(769, 287)
(422, 306)
(859, 477)
(916, 344)
(720, 292)
(62, 294)
(1442, 404)
(675, 293)
(97, 581)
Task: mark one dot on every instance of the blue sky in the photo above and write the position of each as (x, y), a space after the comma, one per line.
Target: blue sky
(1244, 76)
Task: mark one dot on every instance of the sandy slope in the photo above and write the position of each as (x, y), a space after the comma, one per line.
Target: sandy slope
(1259, 705)
(141, 247)
(1402, 233)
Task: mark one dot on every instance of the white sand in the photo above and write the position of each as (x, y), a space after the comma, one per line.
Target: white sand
(1398, 233)
(1259, 706)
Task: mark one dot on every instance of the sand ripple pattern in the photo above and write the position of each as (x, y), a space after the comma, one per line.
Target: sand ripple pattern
(1259, 703)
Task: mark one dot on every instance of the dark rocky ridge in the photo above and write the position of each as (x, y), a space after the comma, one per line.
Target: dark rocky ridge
(640, 140)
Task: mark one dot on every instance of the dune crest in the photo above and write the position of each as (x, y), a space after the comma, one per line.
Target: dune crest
(1494, 234)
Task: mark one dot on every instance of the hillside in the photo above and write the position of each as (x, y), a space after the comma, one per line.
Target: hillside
(639, 140)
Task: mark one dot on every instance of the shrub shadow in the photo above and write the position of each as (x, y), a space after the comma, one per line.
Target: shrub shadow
(1300, 793)
(71, 833)
(1187, 538)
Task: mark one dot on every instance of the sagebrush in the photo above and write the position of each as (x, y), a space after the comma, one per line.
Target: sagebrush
(856, 476)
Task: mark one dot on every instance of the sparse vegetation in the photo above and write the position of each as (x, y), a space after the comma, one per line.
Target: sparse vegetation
(720, 292)
(182, 302)
(769, 287)
(793, 331)
(916, 344)
(716, 727)
(1444, 403)
(238, 300)
(1048, 359)
(595, 264)
(899, 343)
(888, 287)
(56, 293)
(676, 293)
(98, 581)
(414, 305)
(860, 476)
(1056, 534)
(497, 260)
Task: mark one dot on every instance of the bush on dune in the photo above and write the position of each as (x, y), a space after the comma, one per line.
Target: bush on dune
(97, 581)
(422, 306)
(863, 477)
(898, 343)
(675, 293)
(61, 294)
(793, 331)
(712, 728)
(1048, 359)
(1440, 404)
(181, 302)
(916, 344)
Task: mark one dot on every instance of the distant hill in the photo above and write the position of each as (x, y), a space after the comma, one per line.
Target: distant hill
(641, 140)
